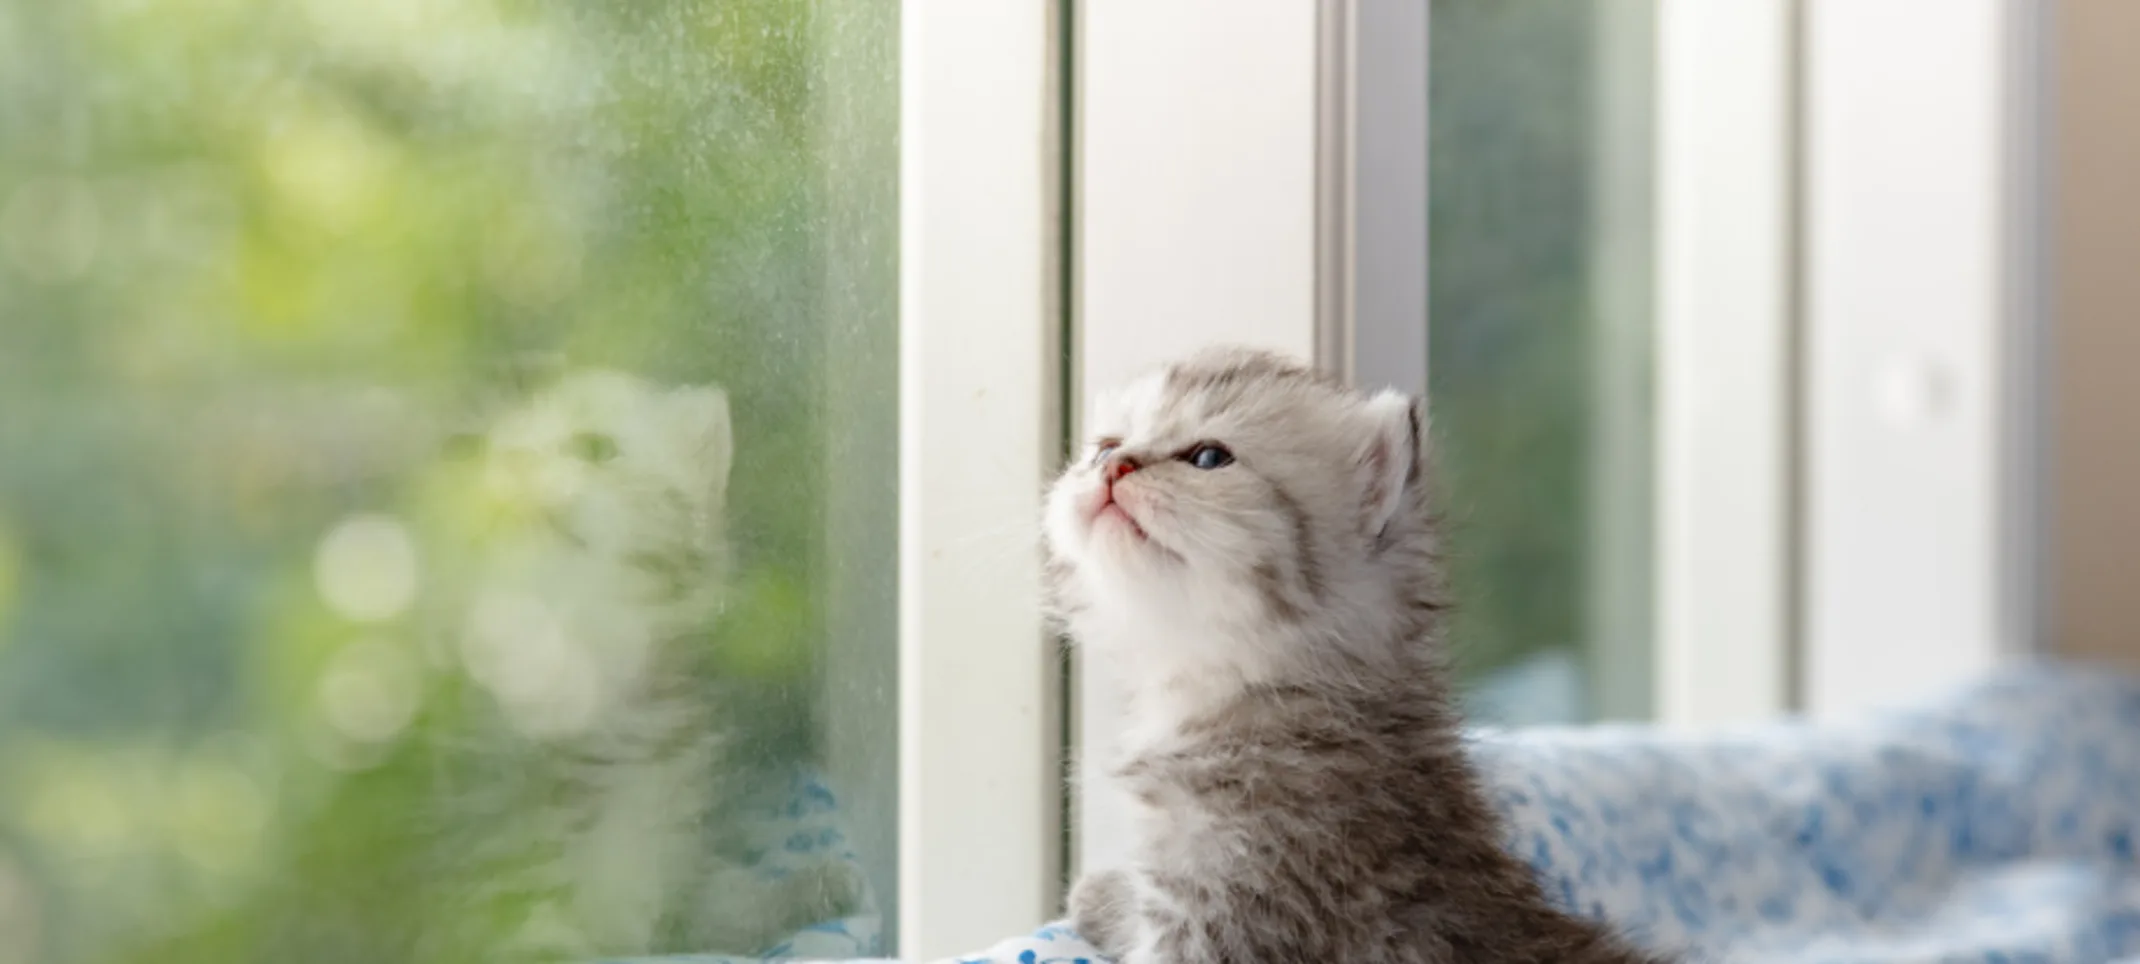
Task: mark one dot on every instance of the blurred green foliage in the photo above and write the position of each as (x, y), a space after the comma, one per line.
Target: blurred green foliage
(257, 260)
(1515, 129)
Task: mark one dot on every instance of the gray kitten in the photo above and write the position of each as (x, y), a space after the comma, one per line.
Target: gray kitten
(617, 758)
(1249, 547)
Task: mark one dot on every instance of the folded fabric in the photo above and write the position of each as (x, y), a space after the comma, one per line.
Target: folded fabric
(1998, 825)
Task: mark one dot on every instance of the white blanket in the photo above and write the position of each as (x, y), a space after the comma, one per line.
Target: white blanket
(1997, 826)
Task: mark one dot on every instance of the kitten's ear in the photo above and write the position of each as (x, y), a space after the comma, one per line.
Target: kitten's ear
(1390, 462)
(703, 410)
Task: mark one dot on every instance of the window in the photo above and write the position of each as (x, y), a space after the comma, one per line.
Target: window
(449, 489)
(1774, 444)
(1539, 355)
(486, 474)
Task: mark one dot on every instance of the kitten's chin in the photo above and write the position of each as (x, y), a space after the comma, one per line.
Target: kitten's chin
(1108, 540)
(1119, 550)
(1112, 518)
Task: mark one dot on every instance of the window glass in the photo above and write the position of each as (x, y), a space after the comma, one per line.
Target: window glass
(1540, 346)
(444, 512)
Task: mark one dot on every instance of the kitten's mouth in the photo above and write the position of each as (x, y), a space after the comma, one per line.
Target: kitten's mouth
(1107, 508)
(1111, 509)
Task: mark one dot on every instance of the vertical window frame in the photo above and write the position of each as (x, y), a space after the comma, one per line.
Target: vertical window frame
(1923, 328)
(1726, 397)
(981, 343)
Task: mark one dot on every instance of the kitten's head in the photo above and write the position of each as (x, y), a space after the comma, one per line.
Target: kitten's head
(615, 463)
(602, 550)
(1238, 513)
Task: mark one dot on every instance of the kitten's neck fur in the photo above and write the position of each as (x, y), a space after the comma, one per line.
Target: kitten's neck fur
(1362, 775)
(1166, 697)
(1359, 742)
(1373, 639)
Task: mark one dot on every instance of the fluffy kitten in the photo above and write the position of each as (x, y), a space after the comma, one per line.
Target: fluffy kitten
(604, 821)
(1248, 547)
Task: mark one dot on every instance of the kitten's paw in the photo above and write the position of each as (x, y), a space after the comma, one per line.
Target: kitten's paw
(825, 892)
(745, 913)
(1102, 909)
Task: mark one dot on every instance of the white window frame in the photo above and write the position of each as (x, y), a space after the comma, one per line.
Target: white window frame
(979, 358)
(1725, 282)
(1922, 323)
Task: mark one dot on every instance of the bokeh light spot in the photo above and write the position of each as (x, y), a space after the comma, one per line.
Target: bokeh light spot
(366, 568)
(369, 691)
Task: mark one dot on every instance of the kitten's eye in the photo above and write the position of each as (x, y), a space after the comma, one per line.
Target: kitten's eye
(1208, 456)
(592, 447)
(1104, 446)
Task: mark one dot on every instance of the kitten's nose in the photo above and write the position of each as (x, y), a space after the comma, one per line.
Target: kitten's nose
(1117, 467)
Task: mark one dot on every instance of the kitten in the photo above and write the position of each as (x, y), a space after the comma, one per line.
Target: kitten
(1248, 546)
(613, 758)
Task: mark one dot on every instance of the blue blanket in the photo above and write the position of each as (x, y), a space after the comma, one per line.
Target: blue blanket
(1999, 825)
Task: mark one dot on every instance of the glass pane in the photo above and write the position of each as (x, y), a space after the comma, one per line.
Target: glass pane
(1539, 350)
(426, 427)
